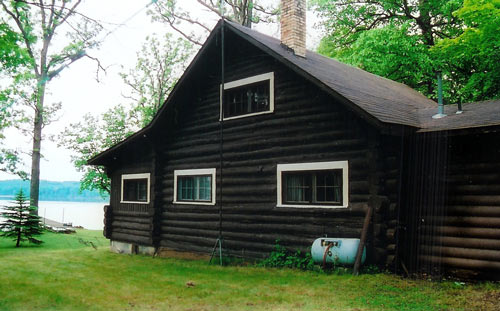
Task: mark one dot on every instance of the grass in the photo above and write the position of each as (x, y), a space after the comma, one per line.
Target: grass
(67, 273)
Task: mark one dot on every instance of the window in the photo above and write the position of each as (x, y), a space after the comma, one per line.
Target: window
(249, 96)
(135, 188)
(320, 184)
(194, 186)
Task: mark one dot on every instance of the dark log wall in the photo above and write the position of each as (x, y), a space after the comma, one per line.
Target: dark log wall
(469, 235)
(451, 213)
(422, 200)
(131, 222)
(386, 219)
(306, 126)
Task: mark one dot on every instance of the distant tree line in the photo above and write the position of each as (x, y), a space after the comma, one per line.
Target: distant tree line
(50, 191)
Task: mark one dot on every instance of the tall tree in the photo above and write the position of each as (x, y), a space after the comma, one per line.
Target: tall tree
(159, 64)
(473, 58)
(39, 23)
(392, 38)
(244, 12)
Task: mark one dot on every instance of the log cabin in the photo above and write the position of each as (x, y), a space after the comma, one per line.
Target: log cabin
(262, 140)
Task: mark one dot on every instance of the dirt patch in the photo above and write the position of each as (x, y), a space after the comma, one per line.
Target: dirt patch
(489, 301)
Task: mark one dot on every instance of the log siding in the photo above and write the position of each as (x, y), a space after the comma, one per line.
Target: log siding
(306, 126)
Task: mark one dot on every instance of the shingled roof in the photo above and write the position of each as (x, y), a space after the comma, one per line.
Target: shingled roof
(375, 97)
(388, 101)
(480, 114)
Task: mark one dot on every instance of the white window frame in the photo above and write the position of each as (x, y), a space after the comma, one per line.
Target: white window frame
(237, 83)
(195, 172)
(137, 176)
(314, 166)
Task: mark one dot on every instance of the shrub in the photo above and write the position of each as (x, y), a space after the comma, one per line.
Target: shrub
(281, 257)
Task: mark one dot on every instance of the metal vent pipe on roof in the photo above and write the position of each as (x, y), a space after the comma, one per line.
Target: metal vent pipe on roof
(440, 113)
(459, 109)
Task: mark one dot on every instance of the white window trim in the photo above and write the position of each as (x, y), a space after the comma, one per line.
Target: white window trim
(203, 171)
(314, 166)
(262, 77)
(137, 176)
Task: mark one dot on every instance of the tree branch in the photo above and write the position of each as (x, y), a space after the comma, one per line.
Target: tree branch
(25, 35)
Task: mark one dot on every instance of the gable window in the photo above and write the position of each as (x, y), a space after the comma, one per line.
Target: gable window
(249, 96)
(194, 186)
(319, 184)
(135, 188)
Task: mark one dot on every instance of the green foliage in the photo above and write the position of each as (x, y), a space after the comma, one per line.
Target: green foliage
(12, 54)
(370, 269)
(392, 38)
(9, 160)
(473, 58)
(21, 221)
(392, 53)
(281, 257)
(92, 136)
(410, 41)
(159, 64)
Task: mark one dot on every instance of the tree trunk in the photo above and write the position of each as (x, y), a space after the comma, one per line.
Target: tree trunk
(18, 237)
(424, 22)
(248, 20)
(37, 143)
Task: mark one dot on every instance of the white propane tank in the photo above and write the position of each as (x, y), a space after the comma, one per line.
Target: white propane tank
(339, 251)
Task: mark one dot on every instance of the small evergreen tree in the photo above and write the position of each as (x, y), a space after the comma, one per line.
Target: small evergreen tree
(21, 222)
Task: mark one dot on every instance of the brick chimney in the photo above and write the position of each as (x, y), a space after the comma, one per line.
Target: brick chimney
(293, 25)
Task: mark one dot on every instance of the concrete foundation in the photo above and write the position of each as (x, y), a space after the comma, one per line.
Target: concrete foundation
(129, 248)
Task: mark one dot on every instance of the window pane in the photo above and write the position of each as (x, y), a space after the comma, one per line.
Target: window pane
(194, 188)
(312, 187)
(135, 190)
(328, 186)
(297, 187)
(204, 188)
(185, 188)
(129, 190)
(246, 99)
(142, 190)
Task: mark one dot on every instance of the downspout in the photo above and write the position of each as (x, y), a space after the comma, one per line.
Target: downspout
(218, 242)
(221, 135)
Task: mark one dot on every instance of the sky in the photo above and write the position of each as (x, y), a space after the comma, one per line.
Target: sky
(79, 91)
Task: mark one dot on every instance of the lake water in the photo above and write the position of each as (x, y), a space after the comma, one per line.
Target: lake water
(89, 215)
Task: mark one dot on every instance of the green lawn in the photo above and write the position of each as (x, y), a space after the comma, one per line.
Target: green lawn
(67, 273)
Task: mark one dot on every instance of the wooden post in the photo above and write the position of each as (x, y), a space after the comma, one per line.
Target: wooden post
(362, 241)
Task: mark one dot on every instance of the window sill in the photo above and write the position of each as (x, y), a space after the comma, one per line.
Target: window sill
(193, 203)
(134, 202)
(247, 115)
(312, 206)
